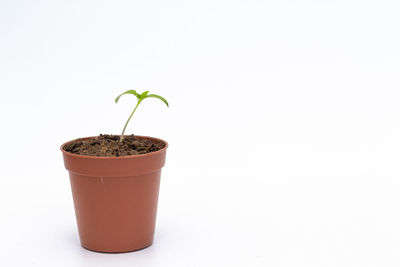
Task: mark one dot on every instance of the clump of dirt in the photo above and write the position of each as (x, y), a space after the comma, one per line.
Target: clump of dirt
(106, 145)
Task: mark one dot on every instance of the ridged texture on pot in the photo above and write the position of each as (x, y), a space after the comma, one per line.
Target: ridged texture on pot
(115, 199)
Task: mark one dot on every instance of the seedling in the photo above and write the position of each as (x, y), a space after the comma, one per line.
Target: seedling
(140, 98)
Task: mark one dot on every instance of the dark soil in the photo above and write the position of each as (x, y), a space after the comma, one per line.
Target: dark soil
(110, 146)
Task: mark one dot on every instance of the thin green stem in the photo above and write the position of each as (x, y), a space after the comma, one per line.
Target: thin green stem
(126, 124)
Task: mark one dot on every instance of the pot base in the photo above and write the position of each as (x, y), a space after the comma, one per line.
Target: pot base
(115, 252)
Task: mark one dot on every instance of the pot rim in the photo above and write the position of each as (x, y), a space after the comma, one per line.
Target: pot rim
(115, 158)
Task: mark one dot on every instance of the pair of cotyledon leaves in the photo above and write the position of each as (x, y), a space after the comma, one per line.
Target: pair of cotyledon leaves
(142, 96)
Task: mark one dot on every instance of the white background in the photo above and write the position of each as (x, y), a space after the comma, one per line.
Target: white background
(284, 126)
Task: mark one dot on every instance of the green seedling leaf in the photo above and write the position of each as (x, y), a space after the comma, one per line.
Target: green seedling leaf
(132, 92)
(140, 98)
(143, 95)
(159, 97)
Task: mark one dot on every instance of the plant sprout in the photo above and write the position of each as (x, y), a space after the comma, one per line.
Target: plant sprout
(140, 98)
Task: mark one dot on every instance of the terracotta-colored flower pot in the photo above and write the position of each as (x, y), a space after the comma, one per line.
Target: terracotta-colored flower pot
(115, 198)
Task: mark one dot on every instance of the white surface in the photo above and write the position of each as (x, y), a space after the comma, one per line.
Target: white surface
(284, 127)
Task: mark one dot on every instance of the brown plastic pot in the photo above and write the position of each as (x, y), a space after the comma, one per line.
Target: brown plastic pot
(115, 198)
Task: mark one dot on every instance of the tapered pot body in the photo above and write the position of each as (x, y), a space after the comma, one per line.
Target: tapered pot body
(115, 198)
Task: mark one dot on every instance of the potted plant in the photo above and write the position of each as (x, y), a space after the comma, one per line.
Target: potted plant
(115, 182)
